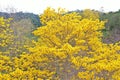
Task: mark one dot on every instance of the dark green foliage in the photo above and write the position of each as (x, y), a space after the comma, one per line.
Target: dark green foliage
(112, 26)
(113, 19)
(20, 15)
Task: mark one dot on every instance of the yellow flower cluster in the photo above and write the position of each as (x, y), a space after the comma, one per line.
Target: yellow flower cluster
(89, 14)
(5, 36)
(69, 47)
(81, 45)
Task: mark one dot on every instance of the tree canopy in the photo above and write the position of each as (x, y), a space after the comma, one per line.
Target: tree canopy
(68, 47)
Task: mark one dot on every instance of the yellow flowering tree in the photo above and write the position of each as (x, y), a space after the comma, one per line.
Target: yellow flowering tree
(5, 33)
(90, 14)
(68, 48)
(5, 41)
(14, 66)
(72, 47)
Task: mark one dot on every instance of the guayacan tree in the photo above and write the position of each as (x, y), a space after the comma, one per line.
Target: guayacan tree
(71, 47)
(68, 47)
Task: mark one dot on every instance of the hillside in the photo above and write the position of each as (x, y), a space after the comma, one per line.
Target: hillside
(111, 32)
(20, 15)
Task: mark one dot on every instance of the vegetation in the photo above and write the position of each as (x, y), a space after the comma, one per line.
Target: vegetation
(112, 26)
(20, 15)
(68, 46)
